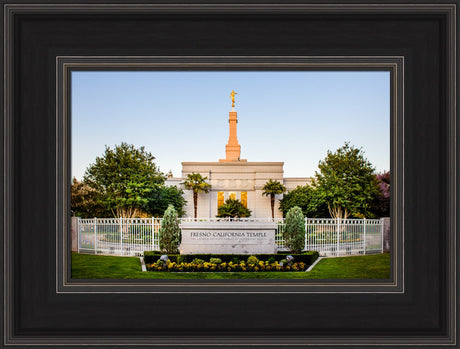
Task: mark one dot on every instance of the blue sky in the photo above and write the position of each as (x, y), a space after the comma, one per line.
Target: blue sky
(293, 117)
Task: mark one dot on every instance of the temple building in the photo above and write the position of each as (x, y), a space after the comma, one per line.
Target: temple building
(235, 178)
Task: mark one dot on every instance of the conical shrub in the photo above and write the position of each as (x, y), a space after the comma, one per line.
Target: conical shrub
(294, 231)
(170, 234)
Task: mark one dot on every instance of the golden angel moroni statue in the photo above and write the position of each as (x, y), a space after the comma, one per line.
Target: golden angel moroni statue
(232, 95)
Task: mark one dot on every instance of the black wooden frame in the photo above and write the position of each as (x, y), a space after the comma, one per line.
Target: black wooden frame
(43, 306)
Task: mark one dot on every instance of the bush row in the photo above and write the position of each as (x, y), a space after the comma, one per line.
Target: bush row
(307, 257)
(225, 267)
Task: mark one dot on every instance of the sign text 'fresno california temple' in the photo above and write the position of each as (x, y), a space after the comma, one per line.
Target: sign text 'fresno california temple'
(235, 178)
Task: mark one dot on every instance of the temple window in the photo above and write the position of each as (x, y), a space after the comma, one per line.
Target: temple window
(220, 198)
(244, 198)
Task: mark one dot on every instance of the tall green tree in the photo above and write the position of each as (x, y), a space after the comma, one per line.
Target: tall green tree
(196, 183)
(86, 202)
(124, 177)
(163, 196)
(346, 182)
(170, 234)
(272, 188)
(307, 198)
(233, 208)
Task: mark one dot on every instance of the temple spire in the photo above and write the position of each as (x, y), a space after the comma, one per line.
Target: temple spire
(232, 149)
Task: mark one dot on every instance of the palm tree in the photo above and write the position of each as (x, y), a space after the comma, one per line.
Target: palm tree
(196, 182)
(272, 188)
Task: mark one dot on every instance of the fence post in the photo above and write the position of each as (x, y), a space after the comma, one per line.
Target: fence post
(120, 224)
(305, 247)
(95, 235)
(153, 234)
(78, 234)
(337, 231)
(364, 238)
(381, 233)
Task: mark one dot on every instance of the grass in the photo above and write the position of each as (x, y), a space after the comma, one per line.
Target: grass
(109, 267)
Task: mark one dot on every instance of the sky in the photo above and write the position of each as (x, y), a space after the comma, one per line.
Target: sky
(294, 117)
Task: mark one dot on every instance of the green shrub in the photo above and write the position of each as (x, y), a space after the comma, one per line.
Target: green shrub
(235, 260)
(233, 208)
(252, 260)
(198, 261)
(170, 234)
(215, 260)
(294, 231)
(271, 259)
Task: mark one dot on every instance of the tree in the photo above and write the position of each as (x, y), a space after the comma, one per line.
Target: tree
(163, 196)
(381, 204)
(272, 188)
(233, 208)
(124, 176)
(307, 198)
(294, 230)
(86, 202)
(170, 234)
(196, 183)
(346, 182)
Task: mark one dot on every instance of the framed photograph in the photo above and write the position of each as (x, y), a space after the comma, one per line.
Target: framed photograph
(49, 48)
(232, 219)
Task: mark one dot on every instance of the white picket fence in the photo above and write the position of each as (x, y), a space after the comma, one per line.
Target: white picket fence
(118, 236)
(133, 236)
(342, 237)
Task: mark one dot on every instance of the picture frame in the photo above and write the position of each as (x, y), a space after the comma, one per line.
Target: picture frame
(44, 306)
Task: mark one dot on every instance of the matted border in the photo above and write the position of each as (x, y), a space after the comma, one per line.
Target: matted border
(66, 65)
(10, 9)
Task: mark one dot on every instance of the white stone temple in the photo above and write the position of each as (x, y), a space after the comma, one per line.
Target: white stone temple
(235, 178)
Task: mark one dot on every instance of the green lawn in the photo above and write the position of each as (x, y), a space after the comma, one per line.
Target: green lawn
(108, 267)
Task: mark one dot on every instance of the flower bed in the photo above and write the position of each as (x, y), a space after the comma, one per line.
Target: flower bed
(225, 267)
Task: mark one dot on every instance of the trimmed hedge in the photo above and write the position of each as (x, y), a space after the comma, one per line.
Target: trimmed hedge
(307, 257)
